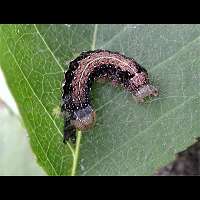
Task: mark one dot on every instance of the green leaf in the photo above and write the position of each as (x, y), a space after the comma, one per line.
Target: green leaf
(128, 138)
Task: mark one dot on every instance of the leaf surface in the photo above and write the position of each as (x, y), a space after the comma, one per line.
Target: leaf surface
(128, 138)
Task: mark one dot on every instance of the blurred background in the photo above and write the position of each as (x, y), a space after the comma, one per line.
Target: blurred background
(16, 156)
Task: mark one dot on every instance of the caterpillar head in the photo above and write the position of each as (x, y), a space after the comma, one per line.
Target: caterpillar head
(145, 90)
(142, 88)
(83, 118)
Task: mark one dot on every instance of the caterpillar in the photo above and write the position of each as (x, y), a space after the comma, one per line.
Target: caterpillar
(83, 71)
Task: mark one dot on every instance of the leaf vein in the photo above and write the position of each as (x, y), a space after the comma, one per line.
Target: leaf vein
(139, 133)
(47, 46)
(40, 103)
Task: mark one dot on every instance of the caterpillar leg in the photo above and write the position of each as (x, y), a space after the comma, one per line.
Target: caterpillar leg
(69, 132)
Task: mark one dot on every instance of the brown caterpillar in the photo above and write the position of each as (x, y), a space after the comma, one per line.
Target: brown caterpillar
(83, 71)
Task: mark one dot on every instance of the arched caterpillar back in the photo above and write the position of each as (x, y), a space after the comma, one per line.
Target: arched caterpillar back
(83, 71)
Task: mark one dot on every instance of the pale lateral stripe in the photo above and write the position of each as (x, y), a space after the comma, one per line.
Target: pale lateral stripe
(109, 57)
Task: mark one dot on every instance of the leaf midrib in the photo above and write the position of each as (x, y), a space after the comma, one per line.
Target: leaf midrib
(77, 148)
(78, 142)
